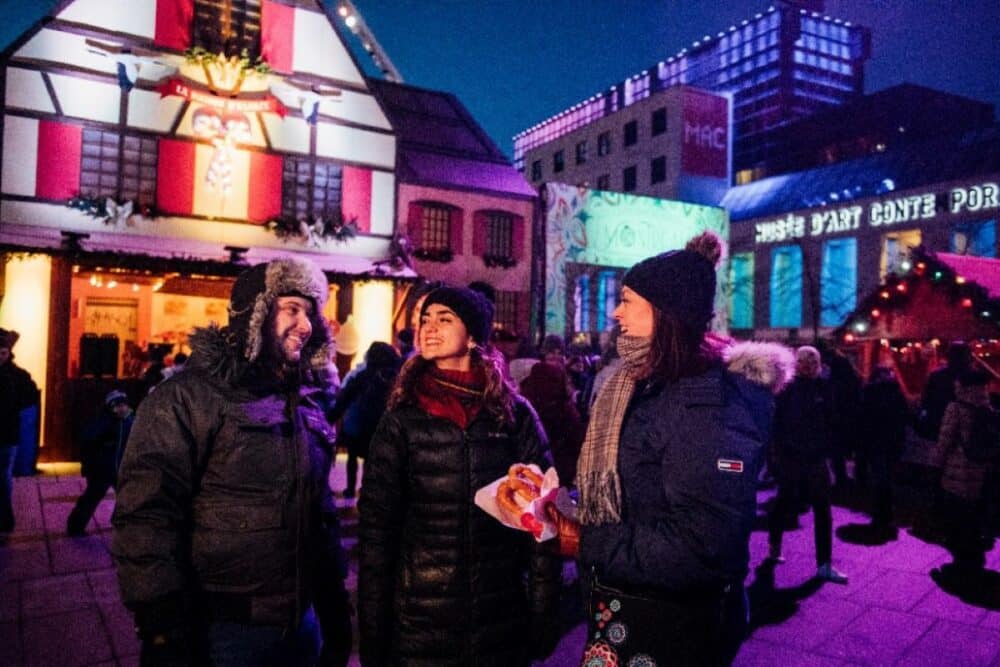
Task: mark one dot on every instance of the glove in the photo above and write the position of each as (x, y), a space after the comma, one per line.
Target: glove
(333, 607)
(168, 649)
(568, 542)
(164, 630)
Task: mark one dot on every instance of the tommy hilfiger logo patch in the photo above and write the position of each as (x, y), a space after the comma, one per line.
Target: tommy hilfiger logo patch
(729, 465)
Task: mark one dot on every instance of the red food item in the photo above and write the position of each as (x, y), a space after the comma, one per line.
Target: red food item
(532, 524)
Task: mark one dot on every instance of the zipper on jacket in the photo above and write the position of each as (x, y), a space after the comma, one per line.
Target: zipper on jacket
(466, 543)
(299, 491)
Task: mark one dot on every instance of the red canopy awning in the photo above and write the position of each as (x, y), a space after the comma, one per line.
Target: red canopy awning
(984, 271)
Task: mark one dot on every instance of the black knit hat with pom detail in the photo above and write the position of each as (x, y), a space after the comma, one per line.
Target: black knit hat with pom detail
(681, 282)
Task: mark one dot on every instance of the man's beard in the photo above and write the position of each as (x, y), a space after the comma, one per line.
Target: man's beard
(278, 358)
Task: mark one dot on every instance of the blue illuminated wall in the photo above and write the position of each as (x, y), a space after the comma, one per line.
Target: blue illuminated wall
(786, 286)
(741, 283)
(838, 280)
(611, 229)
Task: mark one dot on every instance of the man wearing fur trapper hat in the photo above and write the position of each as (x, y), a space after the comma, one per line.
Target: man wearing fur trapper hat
(226, 538)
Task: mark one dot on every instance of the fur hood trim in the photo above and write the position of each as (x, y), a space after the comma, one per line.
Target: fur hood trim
(215, 350)
(771, 365)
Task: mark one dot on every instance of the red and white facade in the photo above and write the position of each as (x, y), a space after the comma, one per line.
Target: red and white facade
(107, 101)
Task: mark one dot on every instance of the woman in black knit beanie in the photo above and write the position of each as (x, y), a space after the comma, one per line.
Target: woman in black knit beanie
(667, 475)
(441, 582)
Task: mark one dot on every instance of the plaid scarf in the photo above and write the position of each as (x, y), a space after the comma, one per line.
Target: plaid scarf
(597, 468)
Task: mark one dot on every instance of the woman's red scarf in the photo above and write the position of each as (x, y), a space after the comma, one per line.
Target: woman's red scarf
(453, 395)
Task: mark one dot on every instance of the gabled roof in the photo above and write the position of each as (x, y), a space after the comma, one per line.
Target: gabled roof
(441, 144)
(941, 296)
(912, 166)
(984, 271)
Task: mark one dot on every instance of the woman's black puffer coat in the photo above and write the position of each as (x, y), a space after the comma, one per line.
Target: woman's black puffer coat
(442, 582)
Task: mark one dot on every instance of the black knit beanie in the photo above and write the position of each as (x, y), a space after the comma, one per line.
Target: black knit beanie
(681, 282)
(256, 289)
(8, 337)
(474, 309)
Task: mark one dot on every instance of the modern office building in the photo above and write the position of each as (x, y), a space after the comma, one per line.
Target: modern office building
(806, 247)
(672, 145)
(781, 65)
(877, 123)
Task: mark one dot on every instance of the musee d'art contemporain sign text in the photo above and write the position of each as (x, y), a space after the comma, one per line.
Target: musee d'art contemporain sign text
(879, 213)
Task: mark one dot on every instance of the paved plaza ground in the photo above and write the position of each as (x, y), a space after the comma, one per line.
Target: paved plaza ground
(59, 601)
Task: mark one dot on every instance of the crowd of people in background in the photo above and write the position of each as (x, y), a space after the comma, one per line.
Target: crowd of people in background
(662, 430)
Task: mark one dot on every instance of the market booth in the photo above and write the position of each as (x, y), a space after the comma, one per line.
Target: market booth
(910, 318)
(153, 150)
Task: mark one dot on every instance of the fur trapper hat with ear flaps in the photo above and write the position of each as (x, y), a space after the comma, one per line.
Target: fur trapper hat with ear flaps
(256, 290)
(681, 282)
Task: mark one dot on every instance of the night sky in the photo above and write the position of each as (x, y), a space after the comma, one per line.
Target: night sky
(514, 63)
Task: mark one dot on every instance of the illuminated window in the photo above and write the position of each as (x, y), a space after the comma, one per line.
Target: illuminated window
(630, 133)
(604, 182)
(604, 143)
(581, 299)
(581, 152)
(895, 248)
(786, 286)
(310, 188)
(741, 291)
(628, 179)
(505, 312)
(658, 122)
(607, 299)
(657, 170)
(558, 162)
(228, 26)
(536, 170)
(838, 281)
(435, 227)
(499, 235)
(975, 238)
(119, 166)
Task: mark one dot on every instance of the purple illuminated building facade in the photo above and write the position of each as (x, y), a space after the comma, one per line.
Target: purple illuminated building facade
(463, 210)
(781, 65)
(806, 247)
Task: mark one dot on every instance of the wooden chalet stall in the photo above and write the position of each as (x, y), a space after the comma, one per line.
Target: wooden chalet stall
(911, 317)
(151, 149)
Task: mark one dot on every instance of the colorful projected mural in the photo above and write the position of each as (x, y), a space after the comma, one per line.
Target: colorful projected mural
(612, 229)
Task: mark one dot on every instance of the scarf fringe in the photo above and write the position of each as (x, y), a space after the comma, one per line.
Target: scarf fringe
(597, 466)
(600, 498)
